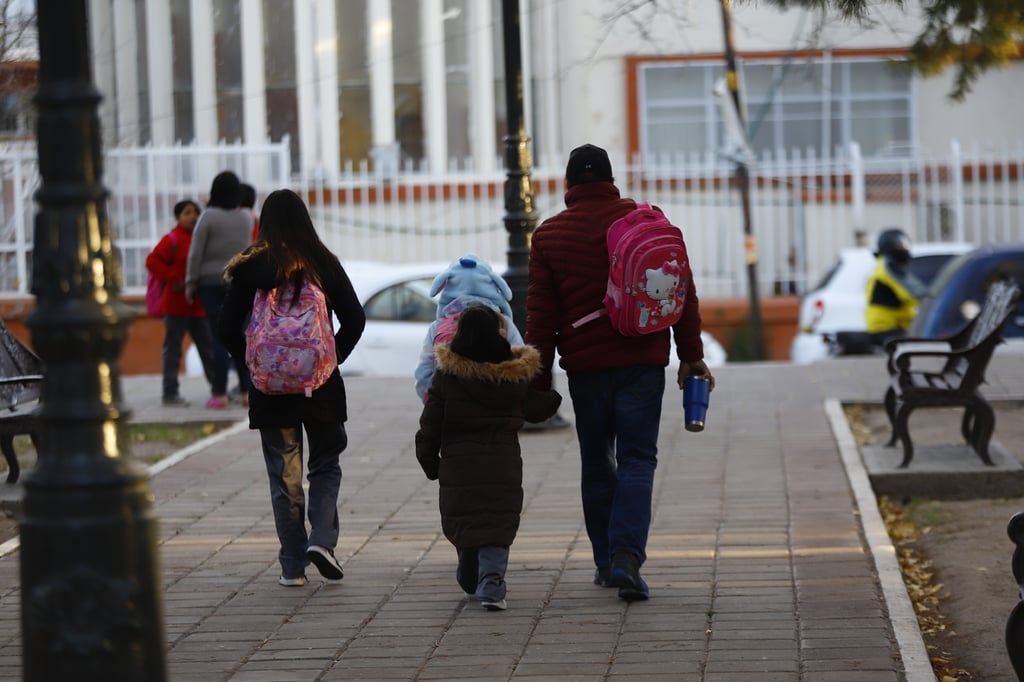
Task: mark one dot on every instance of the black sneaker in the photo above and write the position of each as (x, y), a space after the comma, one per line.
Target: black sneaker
(174, 401)
(324, 560)
(601, 576)
(625, 575)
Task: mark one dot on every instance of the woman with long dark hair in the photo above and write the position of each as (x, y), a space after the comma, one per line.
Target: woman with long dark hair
(288, 253)
(222, 233)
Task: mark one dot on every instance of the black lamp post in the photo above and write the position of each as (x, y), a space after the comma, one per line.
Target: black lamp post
(91, 603)
(520, 217)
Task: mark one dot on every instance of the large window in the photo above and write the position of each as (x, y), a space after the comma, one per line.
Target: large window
(279, 71)
(181, 68)
(356, 126)
(806, 104)
(227, 23)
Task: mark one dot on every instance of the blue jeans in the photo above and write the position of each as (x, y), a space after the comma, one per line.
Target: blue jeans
(282, 453)
(212, 298)
(617, 416)
(175, 328)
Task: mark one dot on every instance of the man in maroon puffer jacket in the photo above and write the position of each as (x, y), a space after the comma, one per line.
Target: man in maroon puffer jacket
(616, 382)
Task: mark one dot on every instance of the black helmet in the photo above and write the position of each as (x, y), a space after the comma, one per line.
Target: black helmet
(895, 244)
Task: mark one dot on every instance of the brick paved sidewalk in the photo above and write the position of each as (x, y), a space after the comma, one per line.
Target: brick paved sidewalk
(757, 563)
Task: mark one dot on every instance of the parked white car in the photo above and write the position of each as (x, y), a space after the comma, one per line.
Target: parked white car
(839, 302)
(399, 310)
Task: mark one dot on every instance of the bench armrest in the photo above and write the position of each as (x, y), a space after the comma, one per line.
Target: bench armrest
(901, 362)
(893, 345)
(25, 379)
(914, 347)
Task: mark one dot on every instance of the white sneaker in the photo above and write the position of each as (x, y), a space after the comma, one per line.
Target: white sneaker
(324, 560)
(494, 605)
(292, 582)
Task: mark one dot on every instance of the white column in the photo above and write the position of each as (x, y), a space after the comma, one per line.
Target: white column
(100, 22)
(254, 89)
(551, 139)
(160, 72)
(482, 132)
(382, 86)
(435, 120)
(204, 73)
(327, 67)
(126, 73)
(526, 49)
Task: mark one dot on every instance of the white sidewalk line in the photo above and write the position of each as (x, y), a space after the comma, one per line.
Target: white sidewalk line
(167, 462)
(185, 453)
(916, 663)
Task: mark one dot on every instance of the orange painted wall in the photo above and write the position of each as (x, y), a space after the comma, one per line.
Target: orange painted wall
(725, 319)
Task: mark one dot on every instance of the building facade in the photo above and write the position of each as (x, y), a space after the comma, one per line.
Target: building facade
(418, 85)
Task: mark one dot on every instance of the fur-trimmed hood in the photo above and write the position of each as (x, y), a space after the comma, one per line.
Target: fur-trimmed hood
(523, 366)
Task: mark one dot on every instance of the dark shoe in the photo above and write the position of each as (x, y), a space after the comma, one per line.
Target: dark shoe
(601, 576)
(499, 605)
(625, 575)
(324, 560)
(174, 401)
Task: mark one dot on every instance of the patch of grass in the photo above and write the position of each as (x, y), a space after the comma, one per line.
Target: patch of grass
(148, 442)
(926, 513)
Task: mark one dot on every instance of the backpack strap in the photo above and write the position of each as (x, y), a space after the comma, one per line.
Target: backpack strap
(603, 312)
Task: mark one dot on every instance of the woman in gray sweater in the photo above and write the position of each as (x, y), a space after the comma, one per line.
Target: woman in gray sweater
(222, 232)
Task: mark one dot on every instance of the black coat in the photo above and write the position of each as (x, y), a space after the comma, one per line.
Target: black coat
(327, 405)
(472, 419)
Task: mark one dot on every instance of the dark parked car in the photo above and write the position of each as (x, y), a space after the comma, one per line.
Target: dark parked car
(956, 294)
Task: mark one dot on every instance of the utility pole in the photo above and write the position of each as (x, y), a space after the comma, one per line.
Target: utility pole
(91, 598)
(743, 180)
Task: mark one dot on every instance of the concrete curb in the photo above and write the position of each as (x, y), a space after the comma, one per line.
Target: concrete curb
(916, 663)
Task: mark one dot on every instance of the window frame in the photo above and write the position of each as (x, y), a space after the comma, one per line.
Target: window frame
(639, 107)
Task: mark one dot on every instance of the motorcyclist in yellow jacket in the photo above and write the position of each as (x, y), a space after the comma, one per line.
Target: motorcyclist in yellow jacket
(892, 291)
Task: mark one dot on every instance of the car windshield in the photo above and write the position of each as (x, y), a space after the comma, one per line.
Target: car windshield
(946, 273)
(828, 276)
(925, 268)
(407, 301)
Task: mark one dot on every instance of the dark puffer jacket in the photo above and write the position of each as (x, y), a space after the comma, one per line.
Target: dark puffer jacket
(568, 276)
(471, 419)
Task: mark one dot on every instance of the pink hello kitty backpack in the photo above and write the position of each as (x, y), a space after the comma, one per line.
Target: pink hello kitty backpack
(648, 273)
(290, 349)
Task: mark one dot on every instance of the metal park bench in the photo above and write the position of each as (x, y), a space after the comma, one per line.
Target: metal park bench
(957, 372)
(21, 387)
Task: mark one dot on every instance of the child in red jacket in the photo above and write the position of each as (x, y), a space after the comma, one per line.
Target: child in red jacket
(167, 262)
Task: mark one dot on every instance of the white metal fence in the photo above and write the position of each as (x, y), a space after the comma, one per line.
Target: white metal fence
(803, 207)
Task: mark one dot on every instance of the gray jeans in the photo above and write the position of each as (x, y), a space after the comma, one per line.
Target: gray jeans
(481, 571)
(282, 452)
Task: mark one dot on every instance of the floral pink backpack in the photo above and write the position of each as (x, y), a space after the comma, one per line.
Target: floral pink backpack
(289, 348)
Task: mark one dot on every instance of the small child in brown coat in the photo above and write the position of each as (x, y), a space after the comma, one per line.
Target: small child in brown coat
(469, 440)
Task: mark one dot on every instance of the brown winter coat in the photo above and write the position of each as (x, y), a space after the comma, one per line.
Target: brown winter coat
(471, 419)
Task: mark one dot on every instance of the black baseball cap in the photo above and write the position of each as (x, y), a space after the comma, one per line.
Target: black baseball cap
(588, 163)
